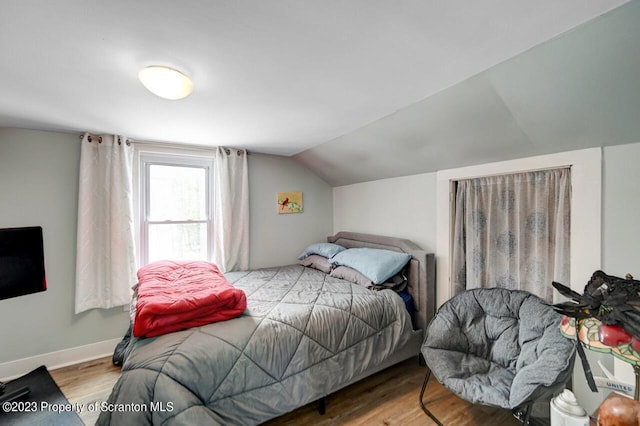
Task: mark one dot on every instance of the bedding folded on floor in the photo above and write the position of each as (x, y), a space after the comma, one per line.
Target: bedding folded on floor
(176, 295)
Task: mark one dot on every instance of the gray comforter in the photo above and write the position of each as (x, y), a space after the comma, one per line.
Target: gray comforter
(304, 334)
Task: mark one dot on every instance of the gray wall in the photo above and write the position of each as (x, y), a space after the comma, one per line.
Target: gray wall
(39, 186)
(278, 239)
(400, 207)
(620, 210)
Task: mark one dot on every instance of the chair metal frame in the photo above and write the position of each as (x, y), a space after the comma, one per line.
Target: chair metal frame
(523, 414)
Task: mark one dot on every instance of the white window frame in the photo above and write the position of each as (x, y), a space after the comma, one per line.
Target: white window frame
(146, 156)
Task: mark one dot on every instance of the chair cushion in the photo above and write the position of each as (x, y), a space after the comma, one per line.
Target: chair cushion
(498, 347)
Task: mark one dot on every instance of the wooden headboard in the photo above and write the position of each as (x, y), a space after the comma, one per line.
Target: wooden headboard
(421, 273)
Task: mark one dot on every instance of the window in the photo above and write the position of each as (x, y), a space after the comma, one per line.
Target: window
(175, 220)
(586, 219)
(512, 231)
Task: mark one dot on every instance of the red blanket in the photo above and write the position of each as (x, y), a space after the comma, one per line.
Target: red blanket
(175, 295)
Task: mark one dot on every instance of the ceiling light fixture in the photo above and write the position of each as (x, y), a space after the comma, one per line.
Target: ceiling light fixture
(166, 82)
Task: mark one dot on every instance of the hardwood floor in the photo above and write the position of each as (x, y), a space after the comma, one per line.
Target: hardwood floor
(87, 383)
(387, 398)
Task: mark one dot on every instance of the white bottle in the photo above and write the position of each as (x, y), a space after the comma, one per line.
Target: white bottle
(565, 411)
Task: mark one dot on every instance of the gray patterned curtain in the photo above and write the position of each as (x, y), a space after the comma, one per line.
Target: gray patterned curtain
(513, 231)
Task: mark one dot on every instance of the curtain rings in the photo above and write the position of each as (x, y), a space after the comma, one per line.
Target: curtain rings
(91, 138)
(239, 152)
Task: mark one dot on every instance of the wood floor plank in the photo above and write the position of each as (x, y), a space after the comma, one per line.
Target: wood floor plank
(87, 383)
(388, 398)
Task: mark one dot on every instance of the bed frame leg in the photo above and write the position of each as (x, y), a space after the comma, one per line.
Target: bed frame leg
(322, 406)
(425, 409)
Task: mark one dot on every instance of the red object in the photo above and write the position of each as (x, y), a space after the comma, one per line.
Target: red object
(284, 203)
(635, 344)
(619, 411)
(613, 335)
(175, 295)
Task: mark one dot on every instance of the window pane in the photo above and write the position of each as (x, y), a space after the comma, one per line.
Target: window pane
(178, 241)
(177, 193)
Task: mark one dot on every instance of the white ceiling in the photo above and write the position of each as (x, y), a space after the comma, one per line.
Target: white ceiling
(579, 90)
(275, 77)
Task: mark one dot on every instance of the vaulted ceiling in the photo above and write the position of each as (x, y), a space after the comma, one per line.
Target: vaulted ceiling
(579, 90)
(356, 90)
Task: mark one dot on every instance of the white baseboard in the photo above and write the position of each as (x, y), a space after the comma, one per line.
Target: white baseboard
(12, 369)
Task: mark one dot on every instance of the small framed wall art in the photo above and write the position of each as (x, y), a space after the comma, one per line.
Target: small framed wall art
(289, 202)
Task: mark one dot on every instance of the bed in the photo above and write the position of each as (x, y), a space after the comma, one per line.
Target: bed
(304, 335)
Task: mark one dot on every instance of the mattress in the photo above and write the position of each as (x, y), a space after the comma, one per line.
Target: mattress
(303, 335)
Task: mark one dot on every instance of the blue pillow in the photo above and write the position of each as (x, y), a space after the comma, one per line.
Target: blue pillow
(327, 250)
(376, 264)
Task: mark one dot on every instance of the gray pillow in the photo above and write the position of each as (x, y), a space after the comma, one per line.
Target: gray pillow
(351, 275)
(318, 262)
(396, 282)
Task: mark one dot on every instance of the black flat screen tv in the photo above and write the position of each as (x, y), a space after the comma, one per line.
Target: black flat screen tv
(21, 262)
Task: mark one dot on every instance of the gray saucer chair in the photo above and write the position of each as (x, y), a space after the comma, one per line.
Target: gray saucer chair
(498, 347)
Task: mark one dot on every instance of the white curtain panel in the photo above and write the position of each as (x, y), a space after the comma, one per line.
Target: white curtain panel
(105, 263)
(513, 231)
(231, 210)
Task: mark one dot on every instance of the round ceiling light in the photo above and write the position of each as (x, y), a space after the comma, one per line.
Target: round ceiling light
(166, 82)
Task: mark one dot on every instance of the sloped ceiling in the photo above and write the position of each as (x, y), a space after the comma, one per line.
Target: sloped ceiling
(356, 90)
(275, 77)
(579, 90)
